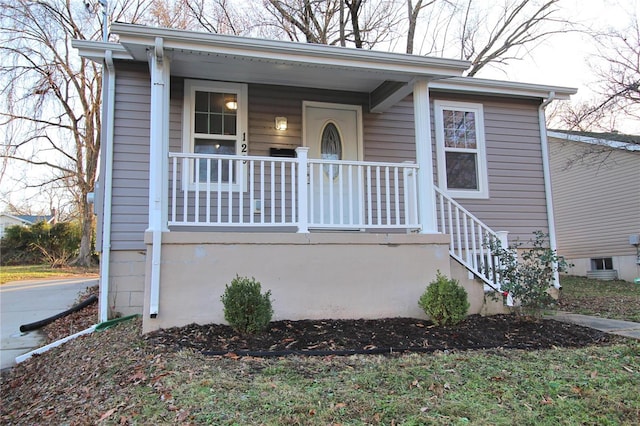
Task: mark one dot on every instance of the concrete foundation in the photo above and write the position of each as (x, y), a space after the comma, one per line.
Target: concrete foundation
(126, 283)
(627, 267)
(311, 276)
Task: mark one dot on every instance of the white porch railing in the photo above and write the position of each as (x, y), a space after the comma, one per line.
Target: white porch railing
(469, 240)
(248, 191)
(244, 191)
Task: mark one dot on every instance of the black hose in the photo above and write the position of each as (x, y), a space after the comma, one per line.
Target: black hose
(39, 324)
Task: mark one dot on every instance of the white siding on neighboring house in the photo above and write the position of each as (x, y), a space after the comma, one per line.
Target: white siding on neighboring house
(7, 221)
(596, 200)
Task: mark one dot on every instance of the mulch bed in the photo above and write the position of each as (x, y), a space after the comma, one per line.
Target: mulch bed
(379, 336)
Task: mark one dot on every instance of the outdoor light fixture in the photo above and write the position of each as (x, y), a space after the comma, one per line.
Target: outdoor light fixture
(281, 123)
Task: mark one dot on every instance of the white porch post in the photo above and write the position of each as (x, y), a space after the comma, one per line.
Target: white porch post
(303, 193)
(424, 157)
(158, 163)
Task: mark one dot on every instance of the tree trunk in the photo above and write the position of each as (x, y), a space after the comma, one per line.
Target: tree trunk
(85, 257)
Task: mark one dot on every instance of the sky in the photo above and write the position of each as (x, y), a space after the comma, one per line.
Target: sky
(564, 60)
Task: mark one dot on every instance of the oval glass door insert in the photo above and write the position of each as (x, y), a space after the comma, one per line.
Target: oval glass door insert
(331, 148)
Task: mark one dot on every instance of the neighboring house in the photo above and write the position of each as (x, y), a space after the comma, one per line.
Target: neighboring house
(342, 179)
(596, 193)
(7, 220)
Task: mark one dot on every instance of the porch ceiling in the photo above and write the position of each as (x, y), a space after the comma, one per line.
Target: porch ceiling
(231, 58)
(264, 71)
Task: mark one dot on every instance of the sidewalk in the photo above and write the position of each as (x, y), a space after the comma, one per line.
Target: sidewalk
(621, 328)
(23, 302)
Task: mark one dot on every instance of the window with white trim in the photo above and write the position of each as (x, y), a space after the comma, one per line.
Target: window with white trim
(602, 264)
(215, 117)
(462, 165)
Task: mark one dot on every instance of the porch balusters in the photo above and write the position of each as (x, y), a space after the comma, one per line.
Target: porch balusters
(302, 193)
(469, 239)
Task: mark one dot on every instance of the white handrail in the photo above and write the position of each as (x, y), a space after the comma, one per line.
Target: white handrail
(469, 240)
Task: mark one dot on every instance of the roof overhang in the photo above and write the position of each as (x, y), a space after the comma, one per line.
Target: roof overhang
(387, 77)
(512, 89)
(251, 60)
(609, 143)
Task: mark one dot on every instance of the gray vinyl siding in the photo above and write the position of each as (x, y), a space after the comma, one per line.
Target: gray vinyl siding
(130, 203)
(265, 103)
(390, 136)
(516, 200)
(516, 186)
(596, 200)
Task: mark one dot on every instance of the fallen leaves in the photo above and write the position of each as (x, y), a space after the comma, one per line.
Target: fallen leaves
(138, 377)
(107, 414)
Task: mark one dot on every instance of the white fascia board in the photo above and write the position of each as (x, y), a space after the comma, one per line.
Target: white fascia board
(499, 87)
(95, 50)
(627, 146)
(306, 53)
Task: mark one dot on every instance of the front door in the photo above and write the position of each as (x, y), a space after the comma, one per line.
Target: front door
(333, 133)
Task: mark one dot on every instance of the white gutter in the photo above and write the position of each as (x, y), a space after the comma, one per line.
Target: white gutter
(499, 87)
(139, 37)
(547, 181)
(108, 107)
(609, 143)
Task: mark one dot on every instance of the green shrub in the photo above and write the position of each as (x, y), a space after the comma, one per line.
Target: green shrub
(40, 243)
(445, 301)
(246, 309)
(528, 275)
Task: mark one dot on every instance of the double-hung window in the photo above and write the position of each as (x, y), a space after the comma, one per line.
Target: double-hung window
(215, 122)
(462, 165)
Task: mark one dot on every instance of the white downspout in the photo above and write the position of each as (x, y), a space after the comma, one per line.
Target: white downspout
(108, 105)
(158, 146)
(547, 180)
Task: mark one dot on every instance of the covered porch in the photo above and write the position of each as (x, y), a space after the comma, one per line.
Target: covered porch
(318, 228)
(329, 238)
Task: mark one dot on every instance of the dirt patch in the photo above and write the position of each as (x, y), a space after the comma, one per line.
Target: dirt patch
(381, 335)
(475, 332)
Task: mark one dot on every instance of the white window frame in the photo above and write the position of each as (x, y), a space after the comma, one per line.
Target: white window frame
(481, 158)
(241, 137)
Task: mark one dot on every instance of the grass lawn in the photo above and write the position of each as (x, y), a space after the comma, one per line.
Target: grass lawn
(592, 386)
(33, 272)
(609, 299)
(119, 378)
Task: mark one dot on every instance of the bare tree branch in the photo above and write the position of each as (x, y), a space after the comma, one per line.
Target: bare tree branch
(51, 99)
(617, 67)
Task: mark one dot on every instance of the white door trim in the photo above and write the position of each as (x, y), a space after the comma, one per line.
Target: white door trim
(330, 105)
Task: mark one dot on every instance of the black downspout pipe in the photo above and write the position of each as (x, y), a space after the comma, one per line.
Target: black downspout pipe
(39, 324)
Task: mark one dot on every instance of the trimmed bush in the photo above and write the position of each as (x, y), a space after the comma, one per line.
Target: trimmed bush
(444, 301)
(246, 309)
(40, 243)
